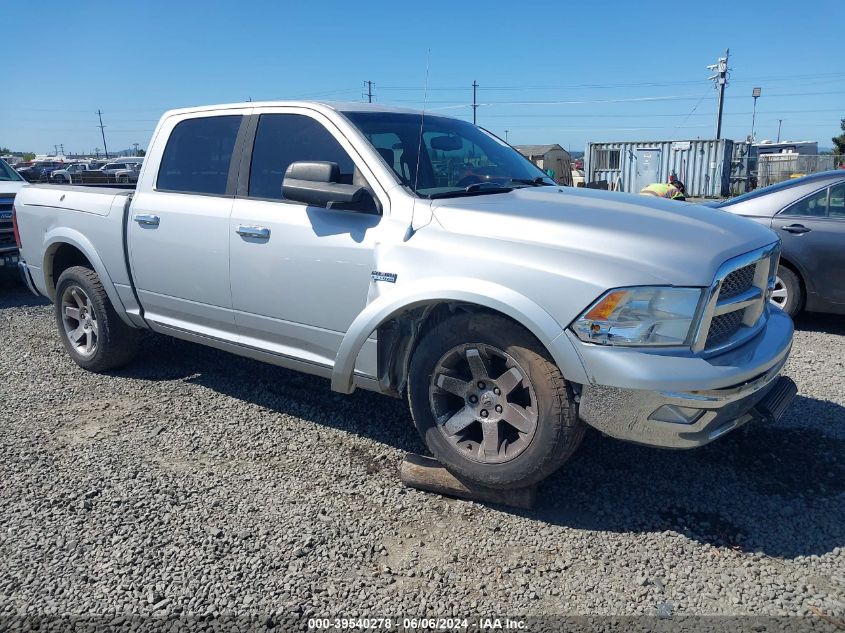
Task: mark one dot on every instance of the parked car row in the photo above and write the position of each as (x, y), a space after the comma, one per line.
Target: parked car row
(40, 171)
(122, 170)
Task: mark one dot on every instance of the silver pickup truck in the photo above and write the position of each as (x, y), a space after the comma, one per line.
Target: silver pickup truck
(420, 256)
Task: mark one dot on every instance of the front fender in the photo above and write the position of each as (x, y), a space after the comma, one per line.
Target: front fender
(64, 235)
(455, 289)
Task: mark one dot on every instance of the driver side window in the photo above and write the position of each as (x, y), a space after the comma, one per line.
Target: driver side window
(282, 139)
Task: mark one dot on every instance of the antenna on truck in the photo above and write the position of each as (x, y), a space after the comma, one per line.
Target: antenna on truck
(410, 231)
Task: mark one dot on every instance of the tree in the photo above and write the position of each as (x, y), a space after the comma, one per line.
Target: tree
(839, 141)
(142, 152)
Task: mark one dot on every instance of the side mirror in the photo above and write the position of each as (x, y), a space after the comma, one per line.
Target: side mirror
(316, 183)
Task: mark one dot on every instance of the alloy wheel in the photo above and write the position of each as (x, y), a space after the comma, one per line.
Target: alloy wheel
(484, 403)
(780, 294)
(80, 320)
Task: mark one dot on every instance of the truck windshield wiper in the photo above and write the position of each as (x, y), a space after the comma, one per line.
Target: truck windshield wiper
(533, 182)
(477, 189)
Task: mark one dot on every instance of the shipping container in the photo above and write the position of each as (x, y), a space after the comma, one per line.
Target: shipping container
(704, 166)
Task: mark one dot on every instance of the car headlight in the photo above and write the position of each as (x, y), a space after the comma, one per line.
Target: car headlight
(647, 315)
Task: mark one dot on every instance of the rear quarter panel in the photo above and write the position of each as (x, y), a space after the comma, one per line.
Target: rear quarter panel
(88, 219)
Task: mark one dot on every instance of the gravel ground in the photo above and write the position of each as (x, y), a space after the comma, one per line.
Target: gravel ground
(197, 483)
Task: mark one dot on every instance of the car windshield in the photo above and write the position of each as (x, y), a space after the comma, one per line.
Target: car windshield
(447, 157)
(7, 173)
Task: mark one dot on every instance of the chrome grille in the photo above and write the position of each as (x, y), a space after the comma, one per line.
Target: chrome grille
(738, 281)
(7, 236)
(736, 303)
(723, 327)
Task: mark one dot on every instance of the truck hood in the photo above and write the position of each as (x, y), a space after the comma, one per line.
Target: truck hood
(677, 243)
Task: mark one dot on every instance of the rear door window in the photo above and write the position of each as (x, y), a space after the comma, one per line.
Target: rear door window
(198, 155)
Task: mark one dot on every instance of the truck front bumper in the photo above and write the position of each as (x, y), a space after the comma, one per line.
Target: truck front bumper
(686, 401)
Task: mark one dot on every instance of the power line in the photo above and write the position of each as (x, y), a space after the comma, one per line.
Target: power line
(644, 115)
(637, 84)
(623, 100)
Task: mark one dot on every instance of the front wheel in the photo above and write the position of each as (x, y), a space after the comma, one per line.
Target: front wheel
(788, 294)
(489, 402)
(91, 331)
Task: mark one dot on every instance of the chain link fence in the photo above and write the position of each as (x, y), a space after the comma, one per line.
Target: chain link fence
(772, 168)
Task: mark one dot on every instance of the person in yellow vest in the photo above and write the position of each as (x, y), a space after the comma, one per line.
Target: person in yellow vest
(674, 190)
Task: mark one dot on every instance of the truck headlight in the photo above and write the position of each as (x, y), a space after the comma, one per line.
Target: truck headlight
(647, 315)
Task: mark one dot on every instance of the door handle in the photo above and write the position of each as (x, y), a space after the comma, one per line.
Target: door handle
(146, 219)
(260, 232)
(798, 229)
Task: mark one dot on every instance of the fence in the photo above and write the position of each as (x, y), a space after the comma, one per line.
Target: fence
(772, 168)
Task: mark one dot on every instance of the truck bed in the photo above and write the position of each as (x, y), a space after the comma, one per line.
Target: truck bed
(86, 198)
(90, 219)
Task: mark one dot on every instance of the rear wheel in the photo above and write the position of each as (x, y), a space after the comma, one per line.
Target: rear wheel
(489, 402)
(91, 331)
(788, 294)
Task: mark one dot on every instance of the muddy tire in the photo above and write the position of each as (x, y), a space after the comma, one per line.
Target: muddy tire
(489, 402)
(93, 334)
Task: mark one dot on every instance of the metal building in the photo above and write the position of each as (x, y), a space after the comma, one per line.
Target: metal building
(704, 166)
(549, 157)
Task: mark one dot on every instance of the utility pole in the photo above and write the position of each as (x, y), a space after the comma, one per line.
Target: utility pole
(62, 147)
(721, 79)
(103, 132)
(135, 145)
(506, 136)
(756, 94)
(474, 101)
(369, 94)
(779, 123)
(55, 150)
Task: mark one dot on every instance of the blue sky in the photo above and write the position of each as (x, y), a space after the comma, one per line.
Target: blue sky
(563, 73)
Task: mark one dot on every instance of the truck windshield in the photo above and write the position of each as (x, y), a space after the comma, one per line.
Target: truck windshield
(449, 158)
(7, 173)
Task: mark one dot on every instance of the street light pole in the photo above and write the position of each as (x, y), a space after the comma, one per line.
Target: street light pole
(779, 124)
(756, 94)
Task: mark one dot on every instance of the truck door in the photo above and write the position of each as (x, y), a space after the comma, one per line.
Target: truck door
(300, 274)
(178, 230)
(648, 167)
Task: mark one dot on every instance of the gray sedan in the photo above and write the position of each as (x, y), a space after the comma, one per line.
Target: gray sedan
(808, 214)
